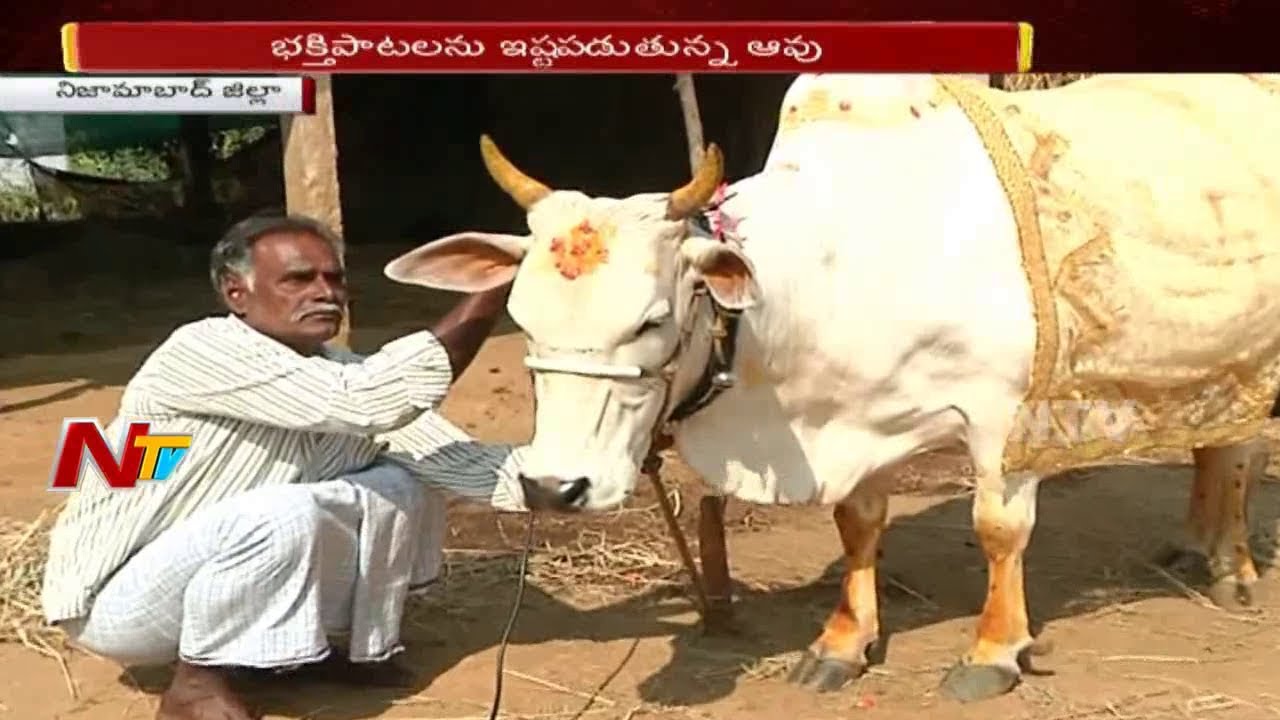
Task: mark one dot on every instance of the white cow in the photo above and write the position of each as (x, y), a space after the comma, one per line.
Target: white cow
(885, 312)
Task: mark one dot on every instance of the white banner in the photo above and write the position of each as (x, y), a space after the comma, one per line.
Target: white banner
(166, 95)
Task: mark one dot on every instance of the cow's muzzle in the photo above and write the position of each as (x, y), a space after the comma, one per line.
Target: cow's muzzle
(554, 493)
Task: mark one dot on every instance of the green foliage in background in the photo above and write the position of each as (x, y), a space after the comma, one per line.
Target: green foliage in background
(136, 164)
(229, 142)
(20, 203)
(149, 164)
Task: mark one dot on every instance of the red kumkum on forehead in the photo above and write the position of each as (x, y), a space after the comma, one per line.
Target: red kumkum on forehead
(579, 253)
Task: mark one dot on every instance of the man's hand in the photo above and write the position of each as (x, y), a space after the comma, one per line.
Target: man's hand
(464, 329)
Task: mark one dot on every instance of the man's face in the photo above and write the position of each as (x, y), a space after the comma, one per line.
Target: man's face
(297, 293)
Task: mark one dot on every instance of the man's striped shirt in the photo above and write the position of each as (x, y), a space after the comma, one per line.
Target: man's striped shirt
(260, 414)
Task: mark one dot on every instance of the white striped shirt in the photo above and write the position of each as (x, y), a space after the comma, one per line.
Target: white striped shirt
(261, 414)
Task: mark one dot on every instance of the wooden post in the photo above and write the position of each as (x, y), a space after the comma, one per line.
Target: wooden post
(692, 119)
(714, 555)
(311, 174)
(712, 552)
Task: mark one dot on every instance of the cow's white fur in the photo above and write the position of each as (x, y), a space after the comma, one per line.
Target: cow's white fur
(843, 369)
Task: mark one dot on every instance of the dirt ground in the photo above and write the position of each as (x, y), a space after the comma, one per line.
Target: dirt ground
(606, 629)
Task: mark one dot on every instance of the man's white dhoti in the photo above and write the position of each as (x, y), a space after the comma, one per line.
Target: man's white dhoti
(310, 501)
(266, 578)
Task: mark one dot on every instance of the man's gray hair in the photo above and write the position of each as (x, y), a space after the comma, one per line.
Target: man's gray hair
(233, 255)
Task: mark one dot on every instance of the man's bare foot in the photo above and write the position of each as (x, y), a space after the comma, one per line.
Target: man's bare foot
(199, 693)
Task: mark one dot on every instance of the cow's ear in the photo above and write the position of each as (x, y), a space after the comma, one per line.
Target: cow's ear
(727, 273)
(468, 262)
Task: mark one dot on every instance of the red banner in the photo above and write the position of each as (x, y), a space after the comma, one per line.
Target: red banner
(661, 47)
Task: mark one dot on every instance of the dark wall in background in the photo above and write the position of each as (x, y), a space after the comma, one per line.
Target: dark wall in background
(409, 158)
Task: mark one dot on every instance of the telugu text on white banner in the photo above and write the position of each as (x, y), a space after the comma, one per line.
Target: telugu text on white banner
(133, 94)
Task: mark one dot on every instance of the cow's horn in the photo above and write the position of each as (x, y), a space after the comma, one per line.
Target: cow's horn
(523, 189)
(694, 196)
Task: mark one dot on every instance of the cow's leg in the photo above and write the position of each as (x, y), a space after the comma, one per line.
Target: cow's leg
(1218, 519)
(1004, 514)
(1204, 511)
(1205, 504)
(839, 654)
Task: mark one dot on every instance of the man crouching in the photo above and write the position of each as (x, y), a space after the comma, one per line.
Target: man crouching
(309, 503)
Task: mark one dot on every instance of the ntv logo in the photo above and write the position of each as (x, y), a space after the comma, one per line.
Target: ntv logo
(142, 456)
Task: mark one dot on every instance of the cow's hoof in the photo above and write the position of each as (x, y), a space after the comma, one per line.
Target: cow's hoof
(1229, 593)
(967, 683)
(1179, 559)
(824, 674)
(1041, 647)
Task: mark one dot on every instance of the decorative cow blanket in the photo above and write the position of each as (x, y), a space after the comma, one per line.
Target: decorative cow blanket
(1148, 209)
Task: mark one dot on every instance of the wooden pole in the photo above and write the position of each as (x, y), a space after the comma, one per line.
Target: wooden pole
(712, 548)
(311, 174)
(692, 119)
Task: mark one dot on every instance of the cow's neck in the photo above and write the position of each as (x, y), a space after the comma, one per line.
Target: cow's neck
(705, 368)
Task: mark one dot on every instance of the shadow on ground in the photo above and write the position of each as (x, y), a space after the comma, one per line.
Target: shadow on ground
(1093, 547)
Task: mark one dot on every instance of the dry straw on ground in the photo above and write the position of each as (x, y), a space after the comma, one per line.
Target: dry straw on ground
(590, 571)
(23, 548)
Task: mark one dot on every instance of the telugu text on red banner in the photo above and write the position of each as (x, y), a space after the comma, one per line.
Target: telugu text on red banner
(546, 47)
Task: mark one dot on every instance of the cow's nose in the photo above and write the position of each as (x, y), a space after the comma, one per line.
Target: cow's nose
(553, 493)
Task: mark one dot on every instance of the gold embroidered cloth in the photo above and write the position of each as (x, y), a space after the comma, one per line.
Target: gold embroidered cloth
(1148, 209)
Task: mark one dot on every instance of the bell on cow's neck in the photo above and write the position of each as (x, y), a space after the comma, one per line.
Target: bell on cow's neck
(723, 379)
